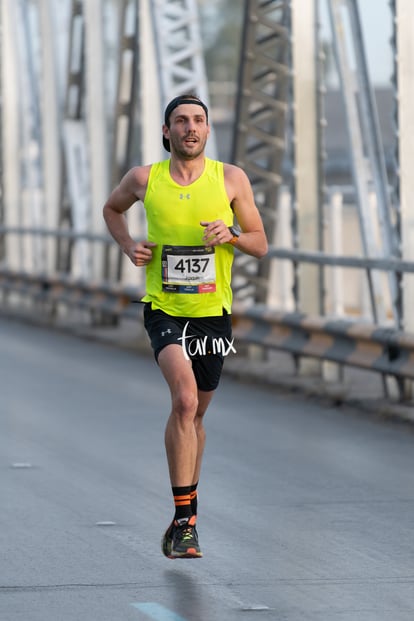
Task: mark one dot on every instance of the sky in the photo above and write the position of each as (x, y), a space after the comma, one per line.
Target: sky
(376, 20)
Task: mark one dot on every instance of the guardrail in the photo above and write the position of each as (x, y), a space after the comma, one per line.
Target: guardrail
(107, 299)
(387, 351)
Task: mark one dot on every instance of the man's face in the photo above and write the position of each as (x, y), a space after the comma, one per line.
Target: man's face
(188, 131)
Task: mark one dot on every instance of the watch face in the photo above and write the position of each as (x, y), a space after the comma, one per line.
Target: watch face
(234, 231)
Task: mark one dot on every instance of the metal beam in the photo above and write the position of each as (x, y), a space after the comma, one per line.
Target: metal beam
(126, 93)
(10, 133)
(31, 143)
(2, 238)
(404, 18)
(180, 55)
(306, 130)
(96, 124)
(128, 99)
(75, 206)
(50, 108)
(260, 127)
(367, 154)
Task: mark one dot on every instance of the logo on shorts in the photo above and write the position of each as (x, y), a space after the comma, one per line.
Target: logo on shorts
(193, 345)
(166, 332)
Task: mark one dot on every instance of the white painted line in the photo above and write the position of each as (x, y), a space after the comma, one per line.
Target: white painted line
(255, 607)
(157, 612)
(21, 464)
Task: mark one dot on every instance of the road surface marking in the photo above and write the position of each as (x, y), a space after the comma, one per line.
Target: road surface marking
(157, 612)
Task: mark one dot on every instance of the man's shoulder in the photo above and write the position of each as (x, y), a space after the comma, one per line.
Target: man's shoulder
(135, 181)
(141, 173)
(233, 172)
(232, 169)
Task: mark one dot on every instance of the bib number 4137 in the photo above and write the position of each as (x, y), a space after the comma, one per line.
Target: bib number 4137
(192, 265)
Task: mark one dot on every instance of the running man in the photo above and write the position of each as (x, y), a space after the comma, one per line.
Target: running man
(191, 204)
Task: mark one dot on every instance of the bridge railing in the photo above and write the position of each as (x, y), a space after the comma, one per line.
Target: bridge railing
(382, 349)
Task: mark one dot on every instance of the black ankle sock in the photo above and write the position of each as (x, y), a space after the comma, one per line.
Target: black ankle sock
(182, 502)
(194, 498)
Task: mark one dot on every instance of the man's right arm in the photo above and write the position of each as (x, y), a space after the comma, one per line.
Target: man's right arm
(131, 188)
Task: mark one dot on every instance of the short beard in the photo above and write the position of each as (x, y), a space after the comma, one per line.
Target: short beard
(185, 155)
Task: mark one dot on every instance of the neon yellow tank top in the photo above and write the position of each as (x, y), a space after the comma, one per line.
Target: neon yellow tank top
(184, 278)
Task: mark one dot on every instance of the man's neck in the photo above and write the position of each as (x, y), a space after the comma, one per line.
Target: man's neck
(185, 172)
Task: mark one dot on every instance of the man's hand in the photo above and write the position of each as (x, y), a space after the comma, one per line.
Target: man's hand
(141, 253)
(216, 233)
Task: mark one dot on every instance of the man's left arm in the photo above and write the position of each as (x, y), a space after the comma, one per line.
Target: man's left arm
(252, 239)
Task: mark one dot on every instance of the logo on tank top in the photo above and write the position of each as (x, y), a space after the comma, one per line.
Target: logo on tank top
(185, 196)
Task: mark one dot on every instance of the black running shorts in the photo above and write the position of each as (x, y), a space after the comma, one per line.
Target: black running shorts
(205, 341)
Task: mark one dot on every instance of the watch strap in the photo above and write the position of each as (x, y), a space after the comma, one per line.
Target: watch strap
(236, 234)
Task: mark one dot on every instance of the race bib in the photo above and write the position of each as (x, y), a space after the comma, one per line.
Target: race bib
(188, 269)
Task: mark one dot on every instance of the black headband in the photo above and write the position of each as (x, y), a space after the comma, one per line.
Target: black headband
(174, 103)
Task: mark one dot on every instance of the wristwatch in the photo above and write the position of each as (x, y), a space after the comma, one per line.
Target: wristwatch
(236, 234)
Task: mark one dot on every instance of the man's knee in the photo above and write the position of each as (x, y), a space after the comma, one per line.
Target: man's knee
(185, 404)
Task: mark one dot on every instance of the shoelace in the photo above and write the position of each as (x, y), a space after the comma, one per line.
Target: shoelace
(186, 534)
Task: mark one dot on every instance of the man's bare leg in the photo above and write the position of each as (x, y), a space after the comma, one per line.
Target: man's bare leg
(204, 399)
(181, 440)
(184, 442)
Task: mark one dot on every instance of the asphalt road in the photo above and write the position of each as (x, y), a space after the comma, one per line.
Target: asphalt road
(306, 511)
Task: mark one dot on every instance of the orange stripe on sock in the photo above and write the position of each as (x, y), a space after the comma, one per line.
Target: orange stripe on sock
(182, 501)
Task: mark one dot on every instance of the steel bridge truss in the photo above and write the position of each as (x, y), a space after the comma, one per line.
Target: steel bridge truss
(94, 155)
(366, 151)
(179, 51)
(261, 124)
(260, 128)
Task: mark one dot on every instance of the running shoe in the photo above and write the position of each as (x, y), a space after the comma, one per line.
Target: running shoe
(181, 540)
(167, 541)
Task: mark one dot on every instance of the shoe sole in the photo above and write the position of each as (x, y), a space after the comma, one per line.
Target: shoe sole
(191, 553)
(166, 550)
